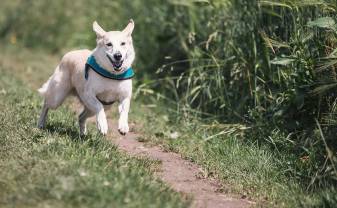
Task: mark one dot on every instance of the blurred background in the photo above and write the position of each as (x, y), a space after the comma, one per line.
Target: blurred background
(268, 66)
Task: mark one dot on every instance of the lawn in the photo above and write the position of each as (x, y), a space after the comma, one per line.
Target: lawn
(244, 88)
(58, 169)
(54, 167)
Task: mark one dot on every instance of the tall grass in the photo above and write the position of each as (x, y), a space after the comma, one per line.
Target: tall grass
(265, 64)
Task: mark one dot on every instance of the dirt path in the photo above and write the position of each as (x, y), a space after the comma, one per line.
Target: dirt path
(181, 175)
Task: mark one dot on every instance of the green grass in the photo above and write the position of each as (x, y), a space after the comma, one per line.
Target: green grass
(265, 167)
(245, 167)
(55, 168)
(266, 64)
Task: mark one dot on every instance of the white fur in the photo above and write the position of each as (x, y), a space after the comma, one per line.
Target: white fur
(69, 77)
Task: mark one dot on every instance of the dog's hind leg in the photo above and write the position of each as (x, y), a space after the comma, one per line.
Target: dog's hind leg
(54, 91)
(43, 117)
(58, 87)
(82, 120)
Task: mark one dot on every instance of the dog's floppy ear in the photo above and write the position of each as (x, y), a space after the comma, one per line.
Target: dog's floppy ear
(129, 28)
(98, 30)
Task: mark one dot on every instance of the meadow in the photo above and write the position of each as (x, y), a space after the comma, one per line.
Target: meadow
(55, 167)
(249, 85)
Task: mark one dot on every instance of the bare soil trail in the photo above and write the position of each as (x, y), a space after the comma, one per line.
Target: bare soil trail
(181, 175)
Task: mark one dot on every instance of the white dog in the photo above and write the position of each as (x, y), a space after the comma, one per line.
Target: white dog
(99, 78)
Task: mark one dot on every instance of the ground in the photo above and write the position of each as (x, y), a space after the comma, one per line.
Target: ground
(236, 170)
(57, 168)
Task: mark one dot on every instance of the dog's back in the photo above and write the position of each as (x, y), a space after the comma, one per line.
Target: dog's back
(59, 85)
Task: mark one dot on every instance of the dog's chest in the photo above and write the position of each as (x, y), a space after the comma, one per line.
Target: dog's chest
(112, 91)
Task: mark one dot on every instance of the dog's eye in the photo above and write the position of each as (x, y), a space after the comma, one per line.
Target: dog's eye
(123, 44)
(109, 44)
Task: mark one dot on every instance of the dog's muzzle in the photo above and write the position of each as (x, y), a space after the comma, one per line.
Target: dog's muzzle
(117, 64)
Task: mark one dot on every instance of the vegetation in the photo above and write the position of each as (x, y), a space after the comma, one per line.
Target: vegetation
(55, 168)
(251, 81)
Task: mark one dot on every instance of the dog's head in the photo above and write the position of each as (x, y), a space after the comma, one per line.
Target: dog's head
(114, 50)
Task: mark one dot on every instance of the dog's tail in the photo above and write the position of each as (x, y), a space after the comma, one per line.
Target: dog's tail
(43, 90)
(45, 87)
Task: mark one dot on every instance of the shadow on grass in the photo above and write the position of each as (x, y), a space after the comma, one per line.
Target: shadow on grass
(62, 129)
(92, 139)
(72, 131)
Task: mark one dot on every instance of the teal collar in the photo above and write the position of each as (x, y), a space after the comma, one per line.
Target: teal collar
(92, 64)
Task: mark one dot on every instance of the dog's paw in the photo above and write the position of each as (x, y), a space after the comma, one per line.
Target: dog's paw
(40, 126)
(83, 128)
(123, 128)
(83, 131)
(103, 127)
(102, 124)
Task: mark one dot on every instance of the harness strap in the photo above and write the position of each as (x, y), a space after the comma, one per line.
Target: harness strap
(92, 64)
(86, 71)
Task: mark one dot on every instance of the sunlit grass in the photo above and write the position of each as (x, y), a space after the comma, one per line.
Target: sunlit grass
(57, 168)
(266, 65)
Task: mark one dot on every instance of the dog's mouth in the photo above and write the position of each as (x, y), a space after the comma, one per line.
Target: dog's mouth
(116, 64)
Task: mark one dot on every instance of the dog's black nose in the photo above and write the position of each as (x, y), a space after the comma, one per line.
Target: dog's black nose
(118, 56)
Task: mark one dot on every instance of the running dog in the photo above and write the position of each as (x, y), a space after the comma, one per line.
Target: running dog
(98, 78)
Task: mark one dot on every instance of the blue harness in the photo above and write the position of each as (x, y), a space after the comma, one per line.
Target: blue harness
(92, 64)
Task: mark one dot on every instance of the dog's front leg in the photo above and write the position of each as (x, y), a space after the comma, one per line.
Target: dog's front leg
(94, 105)
(123, 107)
